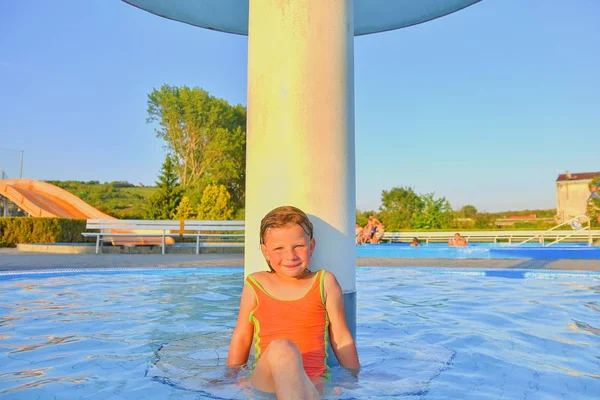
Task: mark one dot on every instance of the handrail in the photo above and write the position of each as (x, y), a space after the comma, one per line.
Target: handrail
(572, 233)
(5, 205)
(163, 229)
(511, 236)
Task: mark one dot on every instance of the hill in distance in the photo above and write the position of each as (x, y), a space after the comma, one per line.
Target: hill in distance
(119, 199)
(125, 200)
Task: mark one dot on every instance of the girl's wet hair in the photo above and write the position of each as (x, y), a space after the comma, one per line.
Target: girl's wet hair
(282, 217)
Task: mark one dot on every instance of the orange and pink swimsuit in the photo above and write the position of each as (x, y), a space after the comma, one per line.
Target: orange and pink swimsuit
(303, 321)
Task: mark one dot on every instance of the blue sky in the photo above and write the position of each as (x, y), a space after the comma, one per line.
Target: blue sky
(485, 106)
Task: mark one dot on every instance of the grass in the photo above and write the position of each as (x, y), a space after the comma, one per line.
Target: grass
(119, 199)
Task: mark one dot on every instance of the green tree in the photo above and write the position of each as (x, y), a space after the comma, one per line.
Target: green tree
(436, 213)
(163, 204)
(207, 137)
(398, 207)
(215, 204)
(468, 211)
(593, 205)
(484, 221)
(362, 217)
(185, 210)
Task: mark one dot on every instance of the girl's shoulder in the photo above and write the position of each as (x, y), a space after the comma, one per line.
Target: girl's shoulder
(330, 281)
(327, 274)
(268, 278)
(263, 278)
(260, 275)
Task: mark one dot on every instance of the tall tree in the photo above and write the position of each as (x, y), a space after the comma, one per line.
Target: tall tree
(206, 135)
(399, 206)
(163, 204)
(593, 206)
(468, 211)
(436, 213)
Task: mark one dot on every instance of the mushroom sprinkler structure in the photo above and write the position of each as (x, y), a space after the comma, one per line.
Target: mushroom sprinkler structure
(300, 128)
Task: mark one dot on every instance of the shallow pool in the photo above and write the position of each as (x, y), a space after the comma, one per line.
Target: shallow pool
(569, 251)
(422, 334)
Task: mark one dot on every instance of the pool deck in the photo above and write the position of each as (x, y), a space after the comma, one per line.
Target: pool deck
(12, 260)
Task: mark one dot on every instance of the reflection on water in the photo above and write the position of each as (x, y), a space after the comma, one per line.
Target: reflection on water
(585, 327)
(592, 305)
(37, 384)
(420, 335)
(28, 373)
(50, 340)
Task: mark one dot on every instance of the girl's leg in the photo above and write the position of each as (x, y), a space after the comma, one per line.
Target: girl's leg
(280, 371)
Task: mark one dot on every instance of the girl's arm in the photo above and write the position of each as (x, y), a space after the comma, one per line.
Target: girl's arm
(341, 340)
(241, 339)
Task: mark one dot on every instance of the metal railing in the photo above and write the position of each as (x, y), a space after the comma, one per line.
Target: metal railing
(4, 202)
(575, 223)
(157, 231)
(494, 236)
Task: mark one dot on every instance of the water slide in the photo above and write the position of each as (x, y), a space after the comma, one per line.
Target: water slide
(41, 199)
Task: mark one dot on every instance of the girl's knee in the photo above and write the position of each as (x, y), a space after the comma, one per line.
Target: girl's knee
(282, 349)
(283, 346)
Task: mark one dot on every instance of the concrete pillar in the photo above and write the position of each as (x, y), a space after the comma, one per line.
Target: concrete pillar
(300, 135)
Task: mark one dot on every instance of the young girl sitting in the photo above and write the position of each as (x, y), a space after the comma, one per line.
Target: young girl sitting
(291, 313)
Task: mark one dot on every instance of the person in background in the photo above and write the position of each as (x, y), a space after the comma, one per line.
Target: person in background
(379, 231)
(415, 242)
(358, 234)
(365, 234)
(375, 229)
(457, 241)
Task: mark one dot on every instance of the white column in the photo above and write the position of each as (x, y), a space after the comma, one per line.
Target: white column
(300, 143)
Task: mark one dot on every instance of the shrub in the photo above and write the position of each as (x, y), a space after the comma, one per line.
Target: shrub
(15, 230)
(215, 204)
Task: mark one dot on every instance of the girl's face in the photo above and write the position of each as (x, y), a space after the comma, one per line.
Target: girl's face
(288, 250)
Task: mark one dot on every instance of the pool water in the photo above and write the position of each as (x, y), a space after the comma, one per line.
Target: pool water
(569, 251)
(421, 334)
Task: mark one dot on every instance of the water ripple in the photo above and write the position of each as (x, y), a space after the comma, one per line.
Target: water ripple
(419, 334)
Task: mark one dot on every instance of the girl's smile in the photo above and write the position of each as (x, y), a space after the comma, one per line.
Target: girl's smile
(288, 250)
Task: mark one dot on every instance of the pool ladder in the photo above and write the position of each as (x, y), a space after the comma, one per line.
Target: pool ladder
(575, 223)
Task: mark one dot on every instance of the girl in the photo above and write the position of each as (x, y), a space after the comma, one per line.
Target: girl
(291, 313)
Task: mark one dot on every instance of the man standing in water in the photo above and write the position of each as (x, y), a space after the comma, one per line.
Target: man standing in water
(457, 241)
